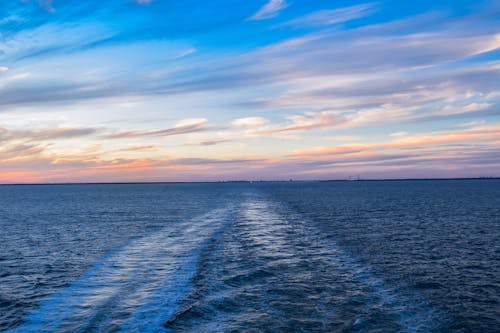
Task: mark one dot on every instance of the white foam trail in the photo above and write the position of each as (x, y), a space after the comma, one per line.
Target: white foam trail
(162, 304)
(146, 277)
(413, 312)
(139, 286)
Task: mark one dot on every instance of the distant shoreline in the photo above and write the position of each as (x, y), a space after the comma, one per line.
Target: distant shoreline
(253, 181)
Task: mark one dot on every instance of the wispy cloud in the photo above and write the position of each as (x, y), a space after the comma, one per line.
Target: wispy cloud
(258, 126)
(184, 127)
(140, 148)
(250, 122)
(20, 151)
(45, 134)
(309, 121)
(269, 10)
(332, 16)
(212, 142)
(471, 137)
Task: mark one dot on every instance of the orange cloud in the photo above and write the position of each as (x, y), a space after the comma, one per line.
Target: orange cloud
(473, 135)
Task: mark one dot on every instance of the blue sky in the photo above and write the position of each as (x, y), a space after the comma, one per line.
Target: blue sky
(166, 90)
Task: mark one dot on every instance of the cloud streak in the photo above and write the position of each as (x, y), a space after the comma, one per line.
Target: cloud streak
(269, 10)
(331, 16)
(184, 127)
(471, 137)
(45, 134)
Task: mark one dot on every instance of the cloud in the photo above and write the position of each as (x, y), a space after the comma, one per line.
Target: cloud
(311, 120)
(398, 134)
(60, 168)
(140, 148)
(469, 137)
(475, 107)
(212, 142)
(20, 151)
(259, 126)
(331, 16)
(45, 134)
(414, 96)
(209, 161)
(57, 133)
(343, 53)
(27, 146)
(250, 122)
(296, 123)
(269, 10)
(326, 70)
(471, 161)
(184, 127)
(465, 152)
(185, 53)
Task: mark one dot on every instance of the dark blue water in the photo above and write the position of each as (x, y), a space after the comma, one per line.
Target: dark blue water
(396, 256)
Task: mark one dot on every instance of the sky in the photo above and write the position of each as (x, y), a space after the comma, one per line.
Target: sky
(189, 90)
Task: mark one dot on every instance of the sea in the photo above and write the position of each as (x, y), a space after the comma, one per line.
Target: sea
(336, 256)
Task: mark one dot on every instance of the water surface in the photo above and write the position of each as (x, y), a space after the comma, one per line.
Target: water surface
(395, 256)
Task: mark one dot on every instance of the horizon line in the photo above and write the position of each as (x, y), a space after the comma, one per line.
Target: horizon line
(253, 181)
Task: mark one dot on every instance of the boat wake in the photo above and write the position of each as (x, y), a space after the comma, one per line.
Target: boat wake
(256, 264)
(134, 288)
